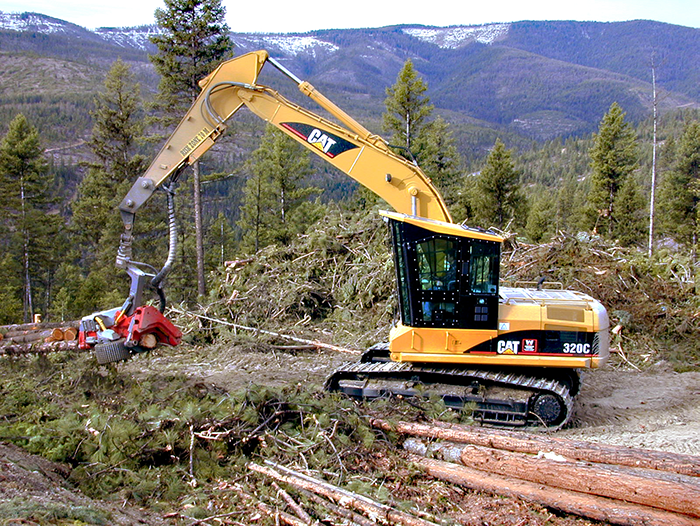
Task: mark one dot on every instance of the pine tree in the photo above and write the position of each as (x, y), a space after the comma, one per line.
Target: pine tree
(541, 218)
(194, 40)
(613, 159)
(272, 208)
(498, 198)
(680, 199)
(407, 110)
(439, 158)
(96, 224)
(31, 230)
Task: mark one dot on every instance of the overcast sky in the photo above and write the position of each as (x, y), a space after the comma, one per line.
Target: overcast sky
(285, 16)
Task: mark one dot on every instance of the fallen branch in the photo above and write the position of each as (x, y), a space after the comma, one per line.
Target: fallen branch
(294, 505)
(316, 344)
(592, 507)
(373, 509)
(350, 515)
(677, 496)
(530, 443)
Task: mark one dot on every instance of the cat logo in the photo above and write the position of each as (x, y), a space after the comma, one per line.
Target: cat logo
(320, 140)
(324, 141)
(507, 347)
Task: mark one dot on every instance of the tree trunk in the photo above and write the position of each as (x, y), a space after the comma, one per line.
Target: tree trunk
(679, 496)
(55, 335)
(16, 349)
(530, 443)
(199, 230)
(596, 508)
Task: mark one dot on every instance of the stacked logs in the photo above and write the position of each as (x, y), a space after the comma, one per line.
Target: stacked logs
(608, 483)
(38, 338)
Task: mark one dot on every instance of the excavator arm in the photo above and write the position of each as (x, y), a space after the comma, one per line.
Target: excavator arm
(348, 146)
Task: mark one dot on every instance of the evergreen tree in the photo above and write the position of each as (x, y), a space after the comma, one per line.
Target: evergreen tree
(407, 110)
(679, 197)
(613, 159)
(96, 224)
(194, 40)
(541, 217)
(439, 158)
(118, 127)
(30, 229)
(498, 198)
(272, 208)
(428, 142)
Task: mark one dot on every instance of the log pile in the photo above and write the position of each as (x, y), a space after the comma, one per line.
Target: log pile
(614, 484)
(38, 338)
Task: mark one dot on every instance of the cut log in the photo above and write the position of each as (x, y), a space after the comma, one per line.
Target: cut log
(35, 336)
(38, 348)
(349, 515)
(33, 327)
(531, 443)
(592, 507)
(678, 496)
(373, 509)
(293, 505)
(70, 334)
(149, 341)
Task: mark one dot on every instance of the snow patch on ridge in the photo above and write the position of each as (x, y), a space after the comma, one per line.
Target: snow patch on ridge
(138, 37)
(455, 37)
(291, 44)
(32, 22)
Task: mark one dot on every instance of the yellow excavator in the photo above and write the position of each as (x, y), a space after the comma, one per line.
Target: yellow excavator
(514, 353)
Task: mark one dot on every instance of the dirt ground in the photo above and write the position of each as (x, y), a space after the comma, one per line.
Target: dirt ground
(656, 408)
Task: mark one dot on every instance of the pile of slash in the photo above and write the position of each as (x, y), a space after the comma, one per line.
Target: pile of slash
(38, 338)
(614, 484)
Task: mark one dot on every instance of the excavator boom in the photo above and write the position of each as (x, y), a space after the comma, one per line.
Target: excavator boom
(348, 146)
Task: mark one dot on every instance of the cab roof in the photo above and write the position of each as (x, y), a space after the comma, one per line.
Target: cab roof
(441, 227)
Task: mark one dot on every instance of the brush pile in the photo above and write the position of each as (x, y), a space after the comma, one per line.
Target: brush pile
(653, 302)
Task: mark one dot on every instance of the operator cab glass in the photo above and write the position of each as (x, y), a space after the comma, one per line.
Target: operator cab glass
(445, 280)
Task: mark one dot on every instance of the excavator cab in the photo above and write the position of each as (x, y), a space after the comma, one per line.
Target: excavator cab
(446, 280)
(447, 274)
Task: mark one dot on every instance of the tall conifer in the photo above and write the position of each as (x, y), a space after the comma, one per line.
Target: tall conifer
(680, 190)
(613, 159)
(30, 229)
(194, 41)
(498, 198)
(274, 195)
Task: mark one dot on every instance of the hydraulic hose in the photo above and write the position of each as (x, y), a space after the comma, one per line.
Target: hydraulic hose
(172, 250)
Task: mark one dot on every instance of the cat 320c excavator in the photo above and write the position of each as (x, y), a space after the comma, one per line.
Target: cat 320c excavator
(514, 353)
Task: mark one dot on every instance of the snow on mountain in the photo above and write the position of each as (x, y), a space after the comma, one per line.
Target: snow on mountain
(290, 45)
(455, 37)
(35, 22)
(129, 37)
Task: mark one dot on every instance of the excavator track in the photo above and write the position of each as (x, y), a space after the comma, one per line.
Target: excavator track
(499, 398)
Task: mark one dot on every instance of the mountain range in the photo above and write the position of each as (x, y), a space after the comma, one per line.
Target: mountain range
(529, 80)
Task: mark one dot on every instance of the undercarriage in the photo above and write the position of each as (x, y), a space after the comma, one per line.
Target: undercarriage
(503, 397)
